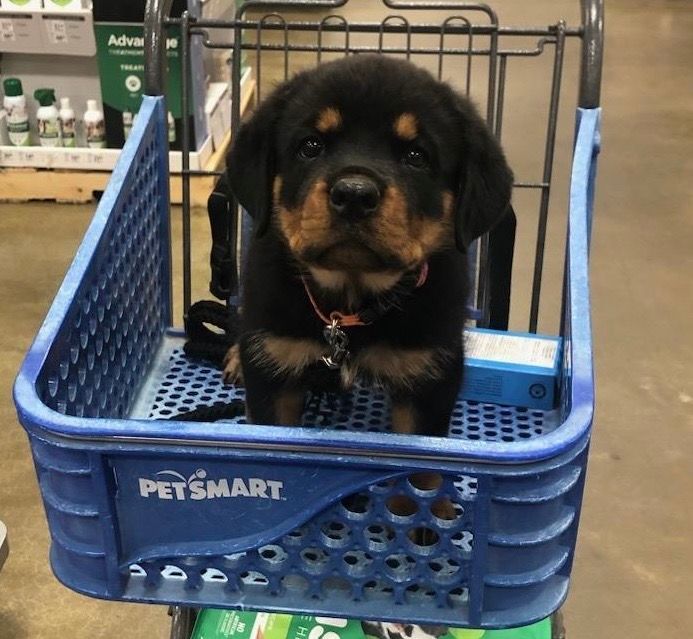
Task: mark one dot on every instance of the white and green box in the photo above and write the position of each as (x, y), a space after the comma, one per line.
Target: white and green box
(228, 624)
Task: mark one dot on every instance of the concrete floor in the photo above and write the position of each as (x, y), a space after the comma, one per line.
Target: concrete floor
(633, 574)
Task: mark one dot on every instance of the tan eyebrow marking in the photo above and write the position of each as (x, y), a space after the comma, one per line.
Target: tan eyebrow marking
(330, 119)
(406, 126)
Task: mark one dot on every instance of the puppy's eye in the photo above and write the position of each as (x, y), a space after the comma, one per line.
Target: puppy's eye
(416, 157)
(311, 147)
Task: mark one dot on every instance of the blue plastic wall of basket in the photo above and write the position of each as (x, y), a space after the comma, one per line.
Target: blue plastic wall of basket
(310, 524)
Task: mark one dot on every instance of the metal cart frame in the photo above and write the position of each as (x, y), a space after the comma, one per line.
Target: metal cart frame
(456, 25)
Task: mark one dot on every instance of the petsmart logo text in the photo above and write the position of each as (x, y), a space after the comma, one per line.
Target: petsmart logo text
(172, 485)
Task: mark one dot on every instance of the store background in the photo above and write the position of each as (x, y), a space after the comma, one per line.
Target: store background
(632, 574)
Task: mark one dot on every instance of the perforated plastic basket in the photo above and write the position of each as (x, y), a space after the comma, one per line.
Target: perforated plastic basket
(289, 519)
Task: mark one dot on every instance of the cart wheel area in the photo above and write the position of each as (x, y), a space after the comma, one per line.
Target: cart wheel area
(182, 622)
(557, 626)
(4, 546)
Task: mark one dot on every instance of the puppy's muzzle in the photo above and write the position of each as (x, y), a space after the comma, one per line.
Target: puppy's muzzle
(354, 197)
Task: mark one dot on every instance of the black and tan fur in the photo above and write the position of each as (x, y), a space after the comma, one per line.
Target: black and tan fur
(356, 174)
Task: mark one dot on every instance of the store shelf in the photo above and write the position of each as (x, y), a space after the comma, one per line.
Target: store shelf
(82, 172)
(47, 32)
(85, 159)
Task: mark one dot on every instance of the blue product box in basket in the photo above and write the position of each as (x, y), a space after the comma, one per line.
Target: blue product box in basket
(517, 369)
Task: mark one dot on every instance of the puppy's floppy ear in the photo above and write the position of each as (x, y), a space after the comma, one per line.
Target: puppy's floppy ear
(251, 163)
(486, 180)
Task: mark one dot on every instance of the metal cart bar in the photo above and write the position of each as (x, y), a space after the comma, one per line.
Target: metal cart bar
(592, 53)
(375, 27)
(546, 180)
(155, 14)
(185, 104)
(317, 49)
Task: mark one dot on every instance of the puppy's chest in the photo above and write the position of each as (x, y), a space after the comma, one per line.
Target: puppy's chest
(374, 362)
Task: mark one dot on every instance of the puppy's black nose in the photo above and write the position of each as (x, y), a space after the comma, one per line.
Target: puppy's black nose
(354, 196)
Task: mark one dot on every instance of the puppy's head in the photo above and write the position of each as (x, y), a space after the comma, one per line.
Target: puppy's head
(369, 165)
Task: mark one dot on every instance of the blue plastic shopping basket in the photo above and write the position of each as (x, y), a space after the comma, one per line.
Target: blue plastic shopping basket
(145, 509)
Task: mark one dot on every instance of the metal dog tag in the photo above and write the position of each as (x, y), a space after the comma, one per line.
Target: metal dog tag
(338, 342)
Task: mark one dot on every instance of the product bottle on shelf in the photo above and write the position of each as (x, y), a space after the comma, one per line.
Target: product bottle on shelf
(17, 115)
(47, 118)
(95, 126)
(68, 128)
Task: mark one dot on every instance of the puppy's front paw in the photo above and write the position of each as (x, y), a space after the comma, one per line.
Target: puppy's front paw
(233, 373)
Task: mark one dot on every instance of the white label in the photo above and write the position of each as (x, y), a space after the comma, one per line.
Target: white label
(8, 157)
(95, 158)
(96, 134)
(7, 31)
(67, 131)
(57, 31)
(511, 349)
(49, 132)
(18, 125)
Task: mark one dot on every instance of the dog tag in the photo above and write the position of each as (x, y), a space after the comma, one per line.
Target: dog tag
(338, 342)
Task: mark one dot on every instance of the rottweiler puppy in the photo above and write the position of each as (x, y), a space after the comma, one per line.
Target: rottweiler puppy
(366, 179)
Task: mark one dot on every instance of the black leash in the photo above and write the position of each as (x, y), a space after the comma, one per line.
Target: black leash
(222, 259)
(212, 329)
(212, 412)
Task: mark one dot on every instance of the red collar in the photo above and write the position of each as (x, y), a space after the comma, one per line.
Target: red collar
(337, 318)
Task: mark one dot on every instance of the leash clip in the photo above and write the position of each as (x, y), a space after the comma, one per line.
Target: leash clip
(338, 343)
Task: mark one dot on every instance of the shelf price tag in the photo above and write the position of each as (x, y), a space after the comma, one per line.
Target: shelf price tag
(19, 32)
(7, 30)
(57, 31)
(69, 34)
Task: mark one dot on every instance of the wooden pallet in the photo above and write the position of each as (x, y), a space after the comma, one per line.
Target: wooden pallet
(79, 187)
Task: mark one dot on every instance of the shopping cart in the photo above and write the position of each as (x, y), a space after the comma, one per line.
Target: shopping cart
(145, 508)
